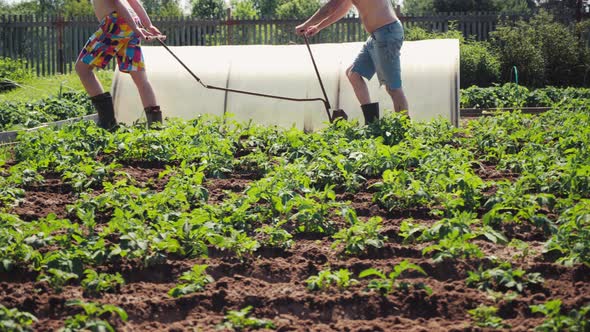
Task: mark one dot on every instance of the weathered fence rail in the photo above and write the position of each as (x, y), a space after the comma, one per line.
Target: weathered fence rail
(50, 44)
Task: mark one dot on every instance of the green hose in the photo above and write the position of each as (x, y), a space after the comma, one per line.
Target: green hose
(514, 71)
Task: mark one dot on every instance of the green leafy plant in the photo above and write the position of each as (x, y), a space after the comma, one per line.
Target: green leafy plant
(196, 280)
(13, 72)
(575, 320)
(572, 236)
(275, 236)
(386, 284)
(238, 320)
(361, 235)
(326, 278)
(92, 317)
(96, 283)
(503, 277)
(524, 250)
(56, 278)
(15, 320)
(17, 114)
(455, 245)
(501, 296)
(485, 316)
(237, 242)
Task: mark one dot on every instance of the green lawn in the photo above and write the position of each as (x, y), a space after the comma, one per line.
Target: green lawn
(42, 87)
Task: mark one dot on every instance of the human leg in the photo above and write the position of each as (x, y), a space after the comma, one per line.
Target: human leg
(88, 78)
(399, 99)
(364, 67)
(361, 90)
(97, 53)
(148, 97)
(389, 41)
(130, 60)
(144, 87)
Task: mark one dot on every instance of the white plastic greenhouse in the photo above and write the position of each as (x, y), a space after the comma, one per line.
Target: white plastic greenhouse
(430, 74)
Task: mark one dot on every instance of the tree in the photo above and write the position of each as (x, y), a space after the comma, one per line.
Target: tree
(67, 8)
(416, 7)
(162, 8)
(73, 8)
(463, 5)
(19, 8)
(244, 9)
(210, 9)
(265, 8)
(513, 5)
(297, 8)
(559, 4)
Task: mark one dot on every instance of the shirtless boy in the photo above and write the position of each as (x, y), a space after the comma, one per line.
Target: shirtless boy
(123, 24)
(380, 54)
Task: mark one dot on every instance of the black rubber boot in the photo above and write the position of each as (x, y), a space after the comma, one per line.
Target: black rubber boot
(153, 115)
(371, 112)
(339, 115)
(106, 111)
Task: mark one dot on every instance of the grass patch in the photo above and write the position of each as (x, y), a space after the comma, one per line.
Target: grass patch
(39, 88)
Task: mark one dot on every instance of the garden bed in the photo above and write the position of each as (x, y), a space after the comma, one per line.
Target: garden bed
(484, 226)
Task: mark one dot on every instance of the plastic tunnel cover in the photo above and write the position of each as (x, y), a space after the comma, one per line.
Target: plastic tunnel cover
(430, 74)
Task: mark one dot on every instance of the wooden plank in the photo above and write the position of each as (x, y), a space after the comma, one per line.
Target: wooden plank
(36, 48)
(477, 112)
(53, 46)
(266, 26)
(43, 47)
(10, 30)
(11, 136)
(3, 37)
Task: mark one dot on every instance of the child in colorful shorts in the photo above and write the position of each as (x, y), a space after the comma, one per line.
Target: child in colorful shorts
(123, 24)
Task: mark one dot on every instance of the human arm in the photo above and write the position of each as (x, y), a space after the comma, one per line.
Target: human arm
(128, 10)
(336, 16)
(336, 8)
(125, 10)
(144, 17)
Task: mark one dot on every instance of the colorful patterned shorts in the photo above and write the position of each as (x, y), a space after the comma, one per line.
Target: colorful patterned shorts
(114, 38)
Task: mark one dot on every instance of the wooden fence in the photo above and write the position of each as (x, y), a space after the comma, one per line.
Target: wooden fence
(51, 44)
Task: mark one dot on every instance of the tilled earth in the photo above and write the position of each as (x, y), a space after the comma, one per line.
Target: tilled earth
(273, 281)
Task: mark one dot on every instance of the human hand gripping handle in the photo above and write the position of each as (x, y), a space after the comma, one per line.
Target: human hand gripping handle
(155, 33)
(308, 31)
(150, 33)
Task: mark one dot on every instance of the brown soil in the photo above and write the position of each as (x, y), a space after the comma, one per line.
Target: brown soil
(273, 281)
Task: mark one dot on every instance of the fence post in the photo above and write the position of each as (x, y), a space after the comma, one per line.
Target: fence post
(398, 11)
(60, 26)
(229, 23)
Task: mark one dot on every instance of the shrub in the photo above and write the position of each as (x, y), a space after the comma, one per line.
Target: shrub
(11, 72)
(560, 49)
(544, 51)
(479, 64)
(516, 48)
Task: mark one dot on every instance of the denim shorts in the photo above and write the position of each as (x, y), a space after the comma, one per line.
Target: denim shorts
(381, 55)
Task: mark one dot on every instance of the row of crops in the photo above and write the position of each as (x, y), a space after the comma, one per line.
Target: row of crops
(450, 194)
(16, 115)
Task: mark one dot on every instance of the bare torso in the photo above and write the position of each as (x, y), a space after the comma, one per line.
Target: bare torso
(103, 8)
(375, 13)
